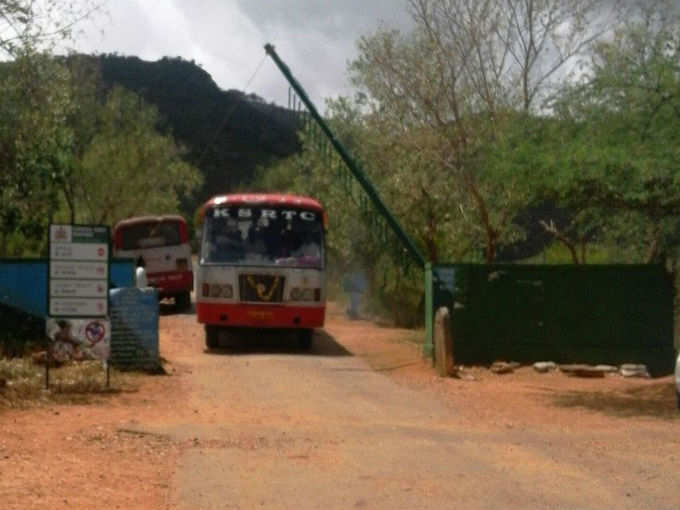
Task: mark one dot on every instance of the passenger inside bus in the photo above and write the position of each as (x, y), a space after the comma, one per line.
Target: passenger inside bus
(257, 244)
(225, 243)
(264, 241)
(307, 247)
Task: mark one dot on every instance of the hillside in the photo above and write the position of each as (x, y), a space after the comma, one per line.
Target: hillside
(226, 133)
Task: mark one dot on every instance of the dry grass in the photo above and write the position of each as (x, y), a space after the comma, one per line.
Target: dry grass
(24, 383)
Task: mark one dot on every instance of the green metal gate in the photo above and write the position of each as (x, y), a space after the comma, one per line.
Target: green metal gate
(611, 314)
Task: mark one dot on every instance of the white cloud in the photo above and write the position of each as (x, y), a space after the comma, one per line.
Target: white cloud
(226, 37)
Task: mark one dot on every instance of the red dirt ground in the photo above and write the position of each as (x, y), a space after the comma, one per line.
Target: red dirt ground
(88, 456)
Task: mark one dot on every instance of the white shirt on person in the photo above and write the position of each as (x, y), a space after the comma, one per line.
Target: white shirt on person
(140, 278)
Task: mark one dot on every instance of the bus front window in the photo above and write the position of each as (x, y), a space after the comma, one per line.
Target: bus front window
(262, 237)
(150, 235)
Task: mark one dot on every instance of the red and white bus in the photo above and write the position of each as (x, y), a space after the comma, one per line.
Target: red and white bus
(162, 242)
(262, 265)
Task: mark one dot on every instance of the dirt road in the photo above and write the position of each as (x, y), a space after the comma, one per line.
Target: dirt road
(325, 430)
(359, 422)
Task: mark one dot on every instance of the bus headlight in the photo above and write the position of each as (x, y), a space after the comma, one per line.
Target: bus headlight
(218, 290)
(305, 294)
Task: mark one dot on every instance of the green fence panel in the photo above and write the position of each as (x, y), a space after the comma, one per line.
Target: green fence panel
(568, 314)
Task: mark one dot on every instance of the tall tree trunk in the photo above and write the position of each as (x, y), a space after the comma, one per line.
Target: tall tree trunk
(652, 251)
(551, 228)
(491, 246)
(492, 234)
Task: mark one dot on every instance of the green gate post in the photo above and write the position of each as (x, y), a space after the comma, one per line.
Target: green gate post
(428, 349)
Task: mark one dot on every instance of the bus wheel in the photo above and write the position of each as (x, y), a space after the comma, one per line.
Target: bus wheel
(305, 339)
(183, 301)
(212, 336)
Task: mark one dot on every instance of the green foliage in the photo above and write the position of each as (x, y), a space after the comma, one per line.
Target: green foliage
(35, 101)
(68, 153)
(20, 332)
(470, 158)
(27, 24)
(129, 168)
(614, 161)
(35, 143)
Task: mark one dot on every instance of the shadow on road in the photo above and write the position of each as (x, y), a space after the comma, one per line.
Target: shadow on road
(656, 400)
(248, 341)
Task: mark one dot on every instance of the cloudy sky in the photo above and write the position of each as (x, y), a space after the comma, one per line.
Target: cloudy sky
(316, 38)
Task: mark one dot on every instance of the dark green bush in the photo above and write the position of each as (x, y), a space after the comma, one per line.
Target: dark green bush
(20, 332)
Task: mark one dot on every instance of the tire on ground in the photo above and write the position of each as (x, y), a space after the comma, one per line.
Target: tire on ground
(212, 336)
(305, 337)
(183, 300)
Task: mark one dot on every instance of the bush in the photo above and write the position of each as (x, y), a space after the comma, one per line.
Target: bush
(20, 332)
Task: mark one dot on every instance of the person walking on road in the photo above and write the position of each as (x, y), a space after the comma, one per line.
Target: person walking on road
(140, 274)
(354, 285)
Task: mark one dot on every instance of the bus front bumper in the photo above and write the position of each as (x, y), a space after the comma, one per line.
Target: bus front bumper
(172, 283)
(260, 316)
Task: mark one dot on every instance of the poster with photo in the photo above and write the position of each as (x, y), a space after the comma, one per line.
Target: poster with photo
(79, 339)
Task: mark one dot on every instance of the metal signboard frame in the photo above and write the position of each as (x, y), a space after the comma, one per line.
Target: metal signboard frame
(76, 253)
(101, 234)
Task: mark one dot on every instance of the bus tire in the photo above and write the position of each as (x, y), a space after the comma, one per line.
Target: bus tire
(305, 339)
(212, 336)
(183, 301)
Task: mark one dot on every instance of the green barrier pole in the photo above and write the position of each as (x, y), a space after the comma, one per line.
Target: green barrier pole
(353, 165)
(428, 349)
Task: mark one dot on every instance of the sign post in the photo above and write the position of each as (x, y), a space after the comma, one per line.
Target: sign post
(78, 327)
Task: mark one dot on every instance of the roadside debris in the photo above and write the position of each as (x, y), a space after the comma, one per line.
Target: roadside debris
(631, 370)
(545, 366)
(583, 370)
(460, 373)
(578, 370)
(503, 367)
(607, 369)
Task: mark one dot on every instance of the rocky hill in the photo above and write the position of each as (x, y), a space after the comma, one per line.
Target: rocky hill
(227, 133)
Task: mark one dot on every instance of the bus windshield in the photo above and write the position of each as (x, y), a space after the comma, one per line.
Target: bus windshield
(150, 235)
(263, 236)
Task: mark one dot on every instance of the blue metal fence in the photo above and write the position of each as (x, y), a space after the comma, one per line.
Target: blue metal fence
(23, 282)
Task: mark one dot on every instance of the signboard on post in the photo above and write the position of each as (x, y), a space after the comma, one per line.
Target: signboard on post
(78, 271)
(78, 292)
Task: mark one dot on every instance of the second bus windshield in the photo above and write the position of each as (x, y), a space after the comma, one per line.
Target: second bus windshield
(257, 236)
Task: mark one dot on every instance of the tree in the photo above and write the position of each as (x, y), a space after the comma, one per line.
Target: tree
(617, 158)
(83, 120)
(29, 25)
(35, 143)
(129, 168)
(35, 140)
(469, 71)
